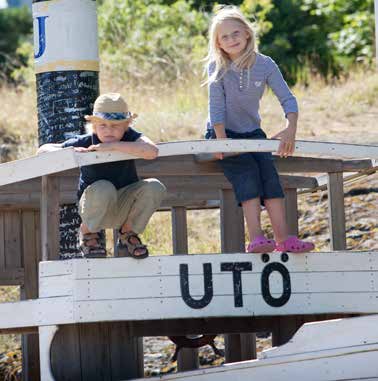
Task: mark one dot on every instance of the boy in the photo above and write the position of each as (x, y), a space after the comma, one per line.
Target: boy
(111, 194)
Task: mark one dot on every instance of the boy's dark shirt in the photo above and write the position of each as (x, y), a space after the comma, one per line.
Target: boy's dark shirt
(119, 173)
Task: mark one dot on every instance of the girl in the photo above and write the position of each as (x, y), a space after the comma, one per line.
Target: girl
(237, 77)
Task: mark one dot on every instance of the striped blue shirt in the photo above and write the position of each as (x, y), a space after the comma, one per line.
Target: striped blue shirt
(234, 100)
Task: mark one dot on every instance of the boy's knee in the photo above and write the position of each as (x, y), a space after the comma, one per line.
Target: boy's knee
(101, 192)
(154, 187)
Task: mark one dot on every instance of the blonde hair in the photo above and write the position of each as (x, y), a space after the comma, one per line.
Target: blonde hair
(217, 55)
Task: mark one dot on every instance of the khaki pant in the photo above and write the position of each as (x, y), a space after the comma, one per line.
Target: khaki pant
(102, 206)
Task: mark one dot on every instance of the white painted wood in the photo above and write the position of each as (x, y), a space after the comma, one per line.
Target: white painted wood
(150, 287)
(124, 289)
(52, 162)
(39, 165)
(54, 268)
(315, 336)
(37, 312)
(334, 350)
(46, 336)
(167, 265)
(175, 308)
(53, 286)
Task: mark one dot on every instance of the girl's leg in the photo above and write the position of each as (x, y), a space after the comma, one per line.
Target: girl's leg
(252, 213)
(277, 215)
(276, 210)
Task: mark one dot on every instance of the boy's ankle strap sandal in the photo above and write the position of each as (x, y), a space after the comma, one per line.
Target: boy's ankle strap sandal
(96, 250)
(130, 245)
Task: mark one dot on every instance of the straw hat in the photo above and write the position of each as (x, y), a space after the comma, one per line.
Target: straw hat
(110, 107)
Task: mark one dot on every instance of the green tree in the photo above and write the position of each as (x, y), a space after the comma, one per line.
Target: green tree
(15, 28)
(146, 39)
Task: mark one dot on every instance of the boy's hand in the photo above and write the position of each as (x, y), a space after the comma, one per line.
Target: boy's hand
(95, 147)
(287, 144)
(219, 155)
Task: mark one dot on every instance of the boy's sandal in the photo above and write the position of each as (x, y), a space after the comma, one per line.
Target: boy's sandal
(92, 251)
(294, 245)
(127, 248)
(261, 245)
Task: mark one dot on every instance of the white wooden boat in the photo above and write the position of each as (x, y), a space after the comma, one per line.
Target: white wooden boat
(204, 286)
(333, 350)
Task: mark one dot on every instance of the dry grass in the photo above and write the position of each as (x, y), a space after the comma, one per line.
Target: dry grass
(344, 112)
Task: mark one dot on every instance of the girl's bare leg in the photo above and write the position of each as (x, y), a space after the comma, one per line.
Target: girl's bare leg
(252, 212)
(277, 215)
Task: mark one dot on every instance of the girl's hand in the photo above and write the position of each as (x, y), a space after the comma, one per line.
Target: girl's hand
(95, 147)
(287, 144)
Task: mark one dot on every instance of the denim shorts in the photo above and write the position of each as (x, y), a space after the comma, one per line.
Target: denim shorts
(253, 174)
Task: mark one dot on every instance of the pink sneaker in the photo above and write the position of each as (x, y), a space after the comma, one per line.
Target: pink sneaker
(294, 245)
(261, 245)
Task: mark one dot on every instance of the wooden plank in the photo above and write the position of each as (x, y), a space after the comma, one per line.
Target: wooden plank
(12, 277)
(30, 343)
(53, 162)
(220, 182)
(232, 223)
(291, 206)
(50, 218)
(182, 191)
(12, 239)
(179, 230)
(237, 347)
(209, 326)
(308, 164)
(30, 354)
(126, 361)
(286, 326)
(188, 357)
(2, 243)
(30, 255)
(336, 211)
(38, 165)
(68, 184)
(357, 165)
(18, 331)
(156, 265)
(66, 341)
(186, 165)
(125, 349)
(95, 352)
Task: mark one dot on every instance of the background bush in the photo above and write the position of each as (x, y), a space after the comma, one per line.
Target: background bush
(165, 40)
(15, 28)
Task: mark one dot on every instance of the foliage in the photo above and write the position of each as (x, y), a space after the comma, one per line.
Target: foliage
(349, 25)
(146, 39)
(165, 40)
(15, 28)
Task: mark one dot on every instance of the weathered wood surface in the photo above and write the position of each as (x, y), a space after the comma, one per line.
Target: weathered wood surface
(182, 191)
(187, 358)
(343, 349)
(53, 162)
(336, 211)
(176, 287)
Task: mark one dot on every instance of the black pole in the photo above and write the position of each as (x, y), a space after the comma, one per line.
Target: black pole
(66, 89)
